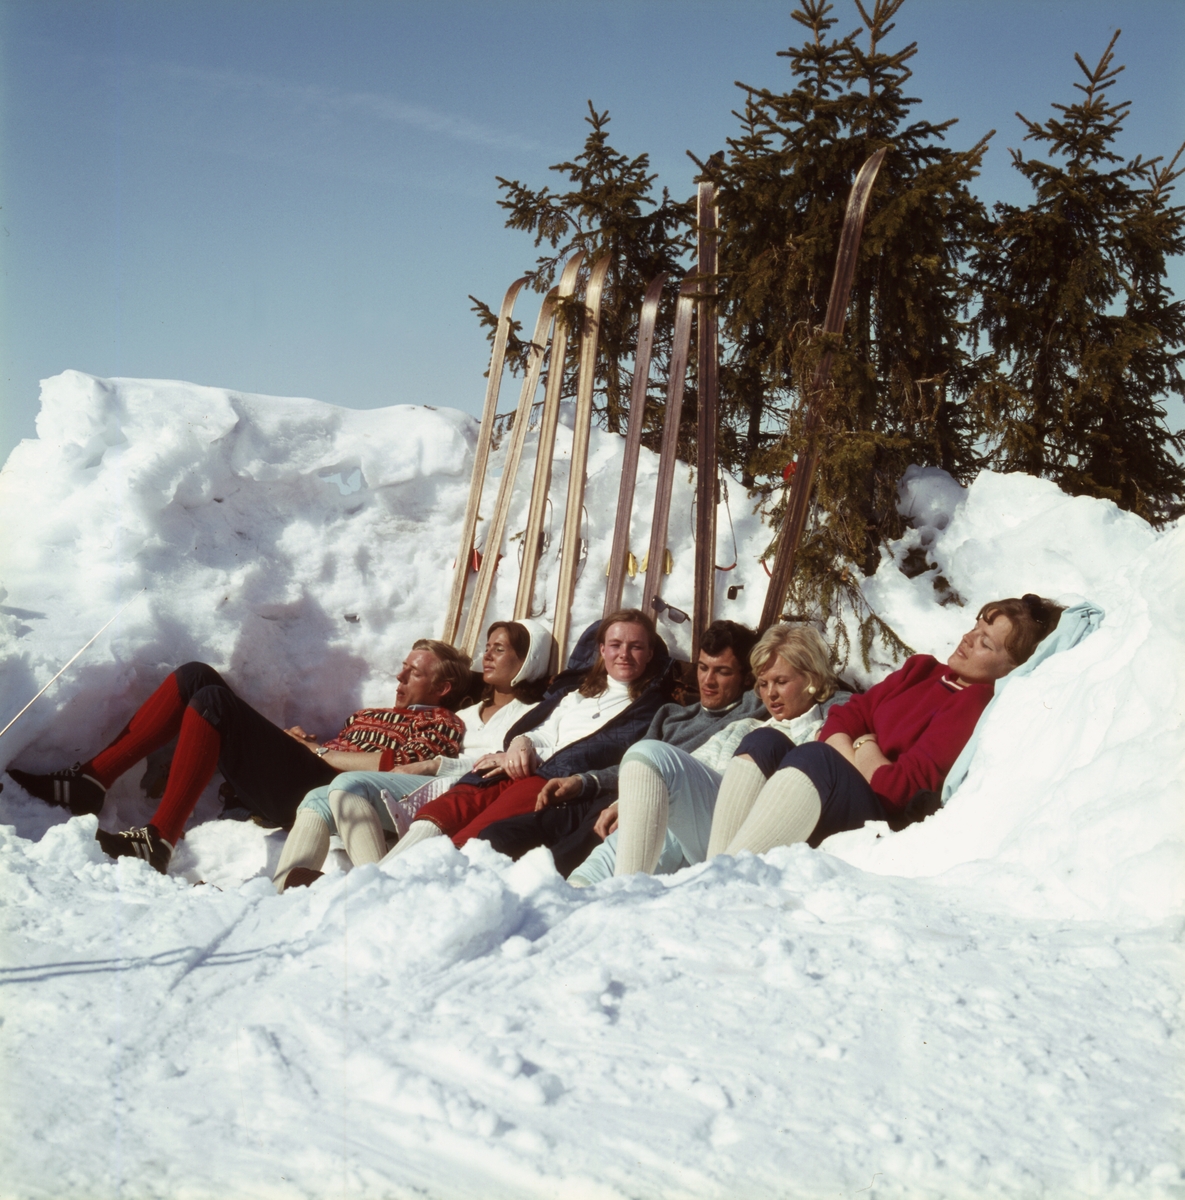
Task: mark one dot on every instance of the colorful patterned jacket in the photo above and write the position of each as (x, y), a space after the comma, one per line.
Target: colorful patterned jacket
(401, 735)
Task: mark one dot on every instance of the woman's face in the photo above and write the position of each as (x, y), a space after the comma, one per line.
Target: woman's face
(981, 657)
(783, 690)
(627, 651)
(499, 663)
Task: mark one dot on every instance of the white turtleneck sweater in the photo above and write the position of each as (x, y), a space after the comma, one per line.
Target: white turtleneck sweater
(577, 716)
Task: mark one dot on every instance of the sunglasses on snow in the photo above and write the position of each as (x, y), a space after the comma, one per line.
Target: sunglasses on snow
(676, 615)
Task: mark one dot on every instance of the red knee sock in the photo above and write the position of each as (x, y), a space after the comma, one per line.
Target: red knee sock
(156, 722)
(194, 763)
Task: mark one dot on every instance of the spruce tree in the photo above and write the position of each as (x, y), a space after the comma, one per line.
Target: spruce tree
(609, 207)
(1086, 341)
(901, 371)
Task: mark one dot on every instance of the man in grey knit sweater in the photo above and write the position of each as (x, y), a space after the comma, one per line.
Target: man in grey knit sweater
(569, 806)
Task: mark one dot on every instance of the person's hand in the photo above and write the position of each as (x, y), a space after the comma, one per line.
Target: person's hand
(429, 766)
(559, 791)
(491, 764)
(302, 737)
(519, 758)
(606, 822)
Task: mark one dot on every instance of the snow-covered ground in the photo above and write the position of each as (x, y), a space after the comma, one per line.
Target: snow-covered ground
(987, 1004)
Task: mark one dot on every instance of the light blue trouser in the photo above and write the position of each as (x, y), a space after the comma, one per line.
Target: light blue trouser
(367, 784)
(692, 788)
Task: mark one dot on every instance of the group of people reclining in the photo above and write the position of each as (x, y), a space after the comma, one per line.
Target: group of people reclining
(597, 764)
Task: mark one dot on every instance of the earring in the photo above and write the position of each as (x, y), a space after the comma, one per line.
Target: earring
(810, 689)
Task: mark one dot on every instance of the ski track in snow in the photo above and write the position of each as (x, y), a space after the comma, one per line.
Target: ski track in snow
(461, 1027)
(988, 1004)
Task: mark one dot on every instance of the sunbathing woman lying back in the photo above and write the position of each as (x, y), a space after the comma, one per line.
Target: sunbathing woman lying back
(878, 751)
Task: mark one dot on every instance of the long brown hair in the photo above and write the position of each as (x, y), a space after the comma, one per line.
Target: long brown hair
(596, 679)
(1033, 619)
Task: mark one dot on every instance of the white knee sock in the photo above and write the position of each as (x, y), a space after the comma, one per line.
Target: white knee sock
(418, 831)
(359, 827)
(738, 790)
(644, 807)
(307, 846)
(786, 812)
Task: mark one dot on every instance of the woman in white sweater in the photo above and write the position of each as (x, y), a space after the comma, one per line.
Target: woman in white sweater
(364, 806)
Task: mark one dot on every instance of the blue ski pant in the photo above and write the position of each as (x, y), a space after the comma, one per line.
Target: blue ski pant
(370, 785)
(692, 788)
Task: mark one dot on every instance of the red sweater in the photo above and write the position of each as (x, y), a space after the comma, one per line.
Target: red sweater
(402, 735)
(921, 725)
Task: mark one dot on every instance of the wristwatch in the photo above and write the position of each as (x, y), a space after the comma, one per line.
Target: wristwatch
(321, 751)
(864, 737)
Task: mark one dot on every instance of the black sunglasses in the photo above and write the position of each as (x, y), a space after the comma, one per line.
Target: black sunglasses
(676, 615)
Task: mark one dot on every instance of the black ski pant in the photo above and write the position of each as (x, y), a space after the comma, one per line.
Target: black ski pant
(566, 828)
(269, 771)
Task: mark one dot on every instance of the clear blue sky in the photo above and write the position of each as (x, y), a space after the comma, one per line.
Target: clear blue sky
(296, 197)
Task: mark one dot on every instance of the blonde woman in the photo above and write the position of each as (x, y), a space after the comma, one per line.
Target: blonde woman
(666, 796)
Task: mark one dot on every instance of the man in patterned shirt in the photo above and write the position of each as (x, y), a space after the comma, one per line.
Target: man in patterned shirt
(269, 768)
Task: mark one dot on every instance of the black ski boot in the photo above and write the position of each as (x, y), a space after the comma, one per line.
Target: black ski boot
(69, 788)
(145, 843)
(302, 877)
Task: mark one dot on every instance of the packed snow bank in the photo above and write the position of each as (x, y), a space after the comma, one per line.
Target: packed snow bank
(888, 1016)
(218, 512)
(299, 547)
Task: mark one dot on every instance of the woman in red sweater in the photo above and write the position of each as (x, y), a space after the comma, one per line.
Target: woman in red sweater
(881, 755)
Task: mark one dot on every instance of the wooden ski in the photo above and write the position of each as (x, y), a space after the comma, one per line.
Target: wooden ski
(794, 521)
(514, 452)
(581, 432)
(669, 448)
(452, 619)
(541, 483)
(707, 482)
(633, 443)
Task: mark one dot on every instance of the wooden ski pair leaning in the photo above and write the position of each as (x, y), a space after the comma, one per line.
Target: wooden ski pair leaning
(551, 310)
(707, 483)
(697, 291)
(700, 288)
(690, 295)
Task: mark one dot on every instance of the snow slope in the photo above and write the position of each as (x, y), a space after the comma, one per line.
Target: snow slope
(987, 1004)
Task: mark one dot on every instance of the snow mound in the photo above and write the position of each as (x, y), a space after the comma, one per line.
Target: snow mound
(985, 1004)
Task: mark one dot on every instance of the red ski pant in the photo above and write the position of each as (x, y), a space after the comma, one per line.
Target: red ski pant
(465, 810)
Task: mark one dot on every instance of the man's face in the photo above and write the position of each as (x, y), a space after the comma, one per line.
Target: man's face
(417, 680)
(721, 679)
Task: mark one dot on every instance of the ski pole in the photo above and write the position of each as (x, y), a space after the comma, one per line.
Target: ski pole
(64, 669)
